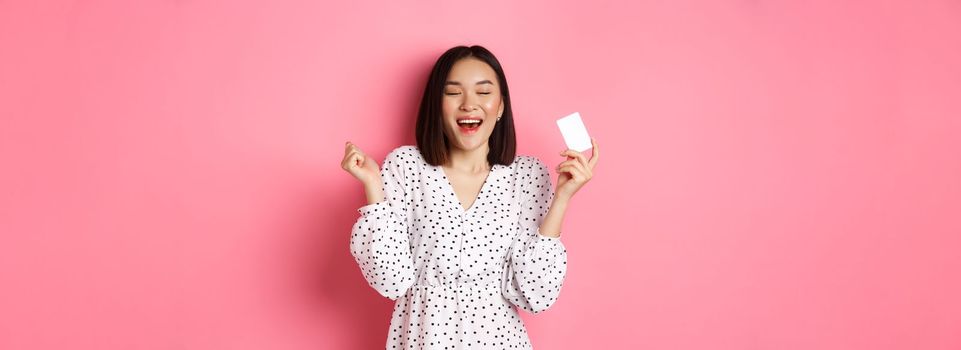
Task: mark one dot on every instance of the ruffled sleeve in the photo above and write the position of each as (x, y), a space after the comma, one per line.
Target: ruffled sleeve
(379, 240)
(536, 263)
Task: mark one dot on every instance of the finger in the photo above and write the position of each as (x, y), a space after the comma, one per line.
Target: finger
(567, 162)
(568, 168)
(358, 153)
(352, 147)
(574, 154)
(577, 155)
(348, 160)
(583, 169)
(579, 164)
(595, 152)
(350, 153)
(356, 159)
(573, 171)
(362, 160)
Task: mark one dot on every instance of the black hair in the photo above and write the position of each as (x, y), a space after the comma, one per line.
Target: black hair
(431, 140)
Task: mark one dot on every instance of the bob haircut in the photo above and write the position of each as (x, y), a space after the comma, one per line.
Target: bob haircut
(433, 144)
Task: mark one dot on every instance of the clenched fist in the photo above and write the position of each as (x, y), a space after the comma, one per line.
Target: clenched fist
(365, 169)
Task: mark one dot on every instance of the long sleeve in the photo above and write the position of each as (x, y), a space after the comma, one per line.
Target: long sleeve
(536, 263)
(379, 240)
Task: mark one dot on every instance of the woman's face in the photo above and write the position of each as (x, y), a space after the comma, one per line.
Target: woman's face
(471, 94)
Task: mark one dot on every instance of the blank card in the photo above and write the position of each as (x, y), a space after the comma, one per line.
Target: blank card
(574, 132)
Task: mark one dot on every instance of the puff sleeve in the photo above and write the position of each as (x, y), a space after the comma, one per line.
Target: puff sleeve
(536, 264)
(379, 240)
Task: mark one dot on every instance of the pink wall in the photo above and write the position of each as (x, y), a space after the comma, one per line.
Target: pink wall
(774, 175)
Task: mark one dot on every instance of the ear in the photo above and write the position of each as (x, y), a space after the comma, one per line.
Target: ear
(501, 112)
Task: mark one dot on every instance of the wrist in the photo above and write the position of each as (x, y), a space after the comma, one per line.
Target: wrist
(556, 234)
(374, 192)
(562, 197)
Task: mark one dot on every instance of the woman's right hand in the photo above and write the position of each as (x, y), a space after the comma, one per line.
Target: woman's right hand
(361, 166)
(365, 169)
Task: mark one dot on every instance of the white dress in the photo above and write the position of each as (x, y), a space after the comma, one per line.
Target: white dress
(456, 274)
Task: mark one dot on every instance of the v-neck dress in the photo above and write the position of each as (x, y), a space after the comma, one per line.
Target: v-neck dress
(459, 276)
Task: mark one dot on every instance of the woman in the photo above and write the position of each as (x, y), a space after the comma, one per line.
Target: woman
(459, 230)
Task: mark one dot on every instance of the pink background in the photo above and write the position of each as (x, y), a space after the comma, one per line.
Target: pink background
(775, 175)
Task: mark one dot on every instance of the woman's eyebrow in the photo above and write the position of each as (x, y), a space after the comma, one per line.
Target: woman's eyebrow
(451, 82)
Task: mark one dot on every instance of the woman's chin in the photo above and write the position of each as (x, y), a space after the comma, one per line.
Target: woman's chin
(471, 143)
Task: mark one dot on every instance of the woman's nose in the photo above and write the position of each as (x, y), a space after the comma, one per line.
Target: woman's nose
(469, 102)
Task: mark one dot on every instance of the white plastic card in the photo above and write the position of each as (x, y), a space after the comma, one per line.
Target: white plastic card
(574, 132)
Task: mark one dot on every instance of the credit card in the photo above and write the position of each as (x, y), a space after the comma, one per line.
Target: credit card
(574, 132)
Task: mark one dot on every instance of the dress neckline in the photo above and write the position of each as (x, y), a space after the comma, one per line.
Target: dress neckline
(495, 169)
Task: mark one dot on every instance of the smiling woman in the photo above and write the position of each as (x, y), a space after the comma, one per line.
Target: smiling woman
(467, 83)
(460, 230)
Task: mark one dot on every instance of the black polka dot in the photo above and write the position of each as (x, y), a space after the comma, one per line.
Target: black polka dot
(459, 276)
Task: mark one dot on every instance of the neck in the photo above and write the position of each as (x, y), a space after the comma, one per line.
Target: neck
(470, 161)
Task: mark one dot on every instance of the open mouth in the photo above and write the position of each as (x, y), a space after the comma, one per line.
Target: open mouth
(470, 124)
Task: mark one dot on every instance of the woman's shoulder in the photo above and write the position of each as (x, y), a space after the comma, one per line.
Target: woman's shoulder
(526, 164)
(528, 170)
(404, 162)
(407, 157)
(404, 152)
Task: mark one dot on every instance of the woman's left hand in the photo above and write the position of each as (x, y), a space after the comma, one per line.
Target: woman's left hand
(576, 171)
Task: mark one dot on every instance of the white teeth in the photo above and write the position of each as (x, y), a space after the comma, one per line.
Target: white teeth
(469, 121)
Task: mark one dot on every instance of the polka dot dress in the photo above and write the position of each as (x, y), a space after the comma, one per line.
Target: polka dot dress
(459, 276)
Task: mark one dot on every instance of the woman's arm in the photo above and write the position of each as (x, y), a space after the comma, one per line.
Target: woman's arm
(374, 191)
(573, 174)
(537, 263)
(551, 227)
(379, 240)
